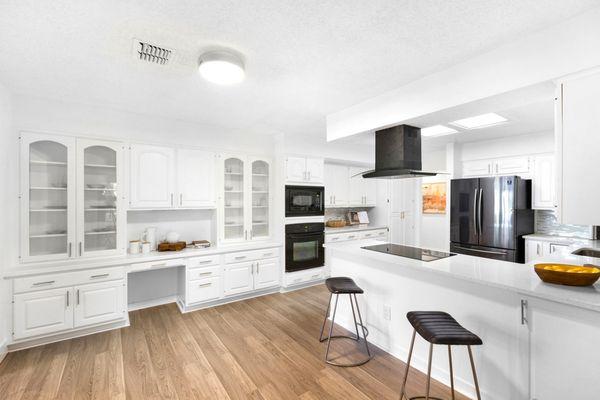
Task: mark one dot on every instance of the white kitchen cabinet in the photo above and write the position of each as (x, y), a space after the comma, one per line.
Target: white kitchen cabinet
(337, 190)
(245, 199)
(238, 278)
(512, 165)
(152, 177)
(403, 211)
(578, 141)
(195, 178)
(304, 170)
(72, 198)
(477, 168)
(98, 302)
(203, 290)
(42, 312)
(356, 185)
(535, 249)
(267, 273)
(543, 182)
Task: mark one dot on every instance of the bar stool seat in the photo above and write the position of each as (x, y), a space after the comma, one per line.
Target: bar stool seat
(438, 327)
(344, 285)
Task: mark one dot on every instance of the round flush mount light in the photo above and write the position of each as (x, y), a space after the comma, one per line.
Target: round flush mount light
(221, 67)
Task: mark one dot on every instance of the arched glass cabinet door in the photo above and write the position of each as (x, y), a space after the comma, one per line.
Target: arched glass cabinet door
(233, 199)
(99, 205)
(261, 191)
(47, 197)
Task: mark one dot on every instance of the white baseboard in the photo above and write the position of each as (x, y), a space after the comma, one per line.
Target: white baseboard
(226, 300)
(287, 289)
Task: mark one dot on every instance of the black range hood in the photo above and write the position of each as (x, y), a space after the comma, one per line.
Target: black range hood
(398, 154)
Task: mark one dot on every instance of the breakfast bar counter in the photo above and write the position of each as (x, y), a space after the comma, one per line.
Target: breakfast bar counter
(538, 337)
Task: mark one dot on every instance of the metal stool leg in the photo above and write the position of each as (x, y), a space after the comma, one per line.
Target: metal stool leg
(412, 343)
(429, 371)
(451, 371)
(337, 296)
(364, 329)
(326, 315)
(354, 316)
(474, 373)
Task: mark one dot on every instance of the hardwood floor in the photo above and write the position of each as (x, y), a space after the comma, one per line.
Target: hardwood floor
(263, 348)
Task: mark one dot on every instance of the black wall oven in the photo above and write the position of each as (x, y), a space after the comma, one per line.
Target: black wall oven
(304, 246)
(304, 201)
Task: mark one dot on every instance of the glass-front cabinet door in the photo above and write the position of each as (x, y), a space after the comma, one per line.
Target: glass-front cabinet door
(233, 201)
(99, 199)
(261, 191)
(47, 197)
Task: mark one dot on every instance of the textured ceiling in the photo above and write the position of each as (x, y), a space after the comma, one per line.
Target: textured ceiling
(304, 59)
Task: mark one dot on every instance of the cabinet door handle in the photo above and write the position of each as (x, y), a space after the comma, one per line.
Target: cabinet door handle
(181, 199)
(496, 168)
(538, 249)
(70, 248)
(309, 175)
(315, 276)
(524, 312)
(159, 264)
(99, 276)
(205, 262)
(205, 285)
(267, 254)
(80, 248)
(43, 283)
(205, 273)
(245, 235)
(251, 234)
(171, 199)
(257, 268)
(68, 299)
(240, 257)
(334, 199)
(77, 296)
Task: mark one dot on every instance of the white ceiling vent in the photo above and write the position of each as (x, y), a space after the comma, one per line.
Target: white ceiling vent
(152, 53)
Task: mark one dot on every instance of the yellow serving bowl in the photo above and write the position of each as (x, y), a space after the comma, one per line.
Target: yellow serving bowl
(567, 274)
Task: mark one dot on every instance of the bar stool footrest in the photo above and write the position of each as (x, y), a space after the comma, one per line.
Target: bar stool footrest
(366, 330)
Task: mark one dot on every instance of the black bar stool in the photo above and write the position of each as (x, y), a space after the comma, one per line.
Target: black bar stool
(438, 327)
(337, 286)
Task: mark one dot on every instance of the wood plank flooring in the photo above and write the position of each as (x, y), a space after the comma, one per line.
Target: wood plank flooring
(262, 349)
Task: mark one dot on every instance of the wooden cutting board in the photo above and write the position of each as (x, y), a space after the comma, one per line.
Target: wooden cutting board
(171, 246)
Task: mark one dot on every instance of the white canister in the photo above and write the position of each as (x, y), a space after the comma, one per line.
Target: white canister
(134, 247)
(145, 247)
(172, 237)
(149, 235)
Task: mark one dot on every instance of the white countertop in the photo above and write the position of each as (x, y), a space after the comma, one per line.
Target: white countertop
(562, 239)
(79, 264)
(354, 228)
(519, 278)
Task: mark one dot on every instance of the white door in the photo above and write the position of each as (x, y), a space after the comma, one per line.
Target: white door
(100, 212)
(267, 273)
(259, 205)
(315, 170)
(543, 182)
(533, 249)
(195, 178)
(477, 168)
(295, 169)
(48, 197)
(152, 177)
(99, 302)
(238, 278)
(43, 312)
(512, 165)
(357, 186)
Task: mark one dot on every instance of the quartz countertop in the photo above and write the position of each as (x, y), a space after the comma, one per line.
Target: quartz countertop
(354, 228)
(519, 278)
(562, 239)
(79, 264)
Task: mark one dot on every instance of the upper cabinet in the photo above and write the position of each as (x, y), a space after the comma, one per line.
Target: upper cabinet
(543, 182)
(71, 198)
(519, 165)
(245, 198)
(578, 141)
(304, 170)
(164, 177)
(345, 187)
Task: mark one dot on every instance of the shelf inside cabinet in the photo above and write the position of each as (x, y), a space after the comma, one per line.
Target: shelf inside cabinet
(100, 166)
(48, 188)
(101, 233)
(48, 235)
(48, 209)
(51, 163)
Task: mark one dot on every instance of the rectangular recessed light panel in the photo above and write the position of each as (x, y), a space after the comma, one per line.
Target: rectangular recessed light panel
(437, 130)
(480, 121)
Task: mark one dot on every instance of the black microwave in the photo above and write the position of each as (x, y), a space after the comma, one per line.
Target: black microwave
(304, 201)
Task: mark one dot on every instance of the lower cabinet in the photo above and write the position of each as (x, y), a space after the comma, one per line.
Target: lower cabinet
(251, 275)
(355, 235)
(206, 289)
(54, 310)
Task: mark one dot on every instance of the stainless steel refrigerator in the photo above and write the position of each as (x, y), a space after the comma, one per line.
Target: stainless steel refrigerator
(489, 216)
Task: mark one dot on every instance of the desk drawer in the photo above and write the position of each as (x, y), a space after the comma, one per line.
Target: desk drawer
(50, 281)
(203, 290)
(204, 261)
(203, 273)
(159, 264)
(251, 255)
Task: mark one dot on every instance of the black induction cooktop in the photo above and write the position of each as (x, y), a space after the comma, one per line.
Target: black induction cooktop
(409, 252)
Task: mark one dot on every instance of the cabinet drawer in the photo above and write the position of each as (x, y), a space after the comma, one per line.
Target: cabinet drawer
(368, 234)
(50, 281)
(203, 273)
(250, 255)
(297, 278)
(204, 261)
(351, 236)
(203, 290)
(334, 238)
(157, 264)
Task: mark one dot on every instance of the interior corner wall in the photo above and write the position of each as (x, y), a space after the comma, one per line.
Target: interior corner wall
(8, 218)
(433, 230)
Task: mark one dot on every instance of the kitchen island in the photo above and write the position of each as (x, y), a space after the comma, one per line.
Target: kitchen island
(540, 340)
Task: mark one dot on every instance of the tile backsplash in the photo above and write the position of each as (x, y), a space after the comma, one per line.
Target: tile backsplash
(546, 223)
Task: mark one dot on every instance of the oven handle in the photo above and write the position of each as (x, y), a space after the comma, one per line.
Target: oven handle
(302, 235)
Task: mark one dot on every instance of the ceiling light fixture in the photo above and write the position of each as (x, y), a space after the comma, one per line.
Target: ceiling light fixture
(221, 67)
(480, 121)
(437, 130)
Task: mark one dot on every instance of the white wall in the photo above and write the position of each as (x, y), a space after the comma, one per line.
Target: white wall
(190, 224)
(548, 54)
(8, 178)
(433, 230)
(542, 142)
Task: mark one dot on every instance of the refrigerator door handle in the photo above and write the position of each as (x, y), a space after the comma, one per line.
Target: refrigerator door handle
(475, 208)
(479, 211)
(482, 251)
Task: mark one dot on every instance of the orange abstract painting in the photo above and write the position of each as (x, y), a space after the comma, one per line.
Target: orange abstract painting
(434, 198)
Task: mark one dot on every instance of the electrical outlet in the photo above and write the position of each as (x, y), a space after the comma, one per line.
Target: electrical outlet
(387, 312)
